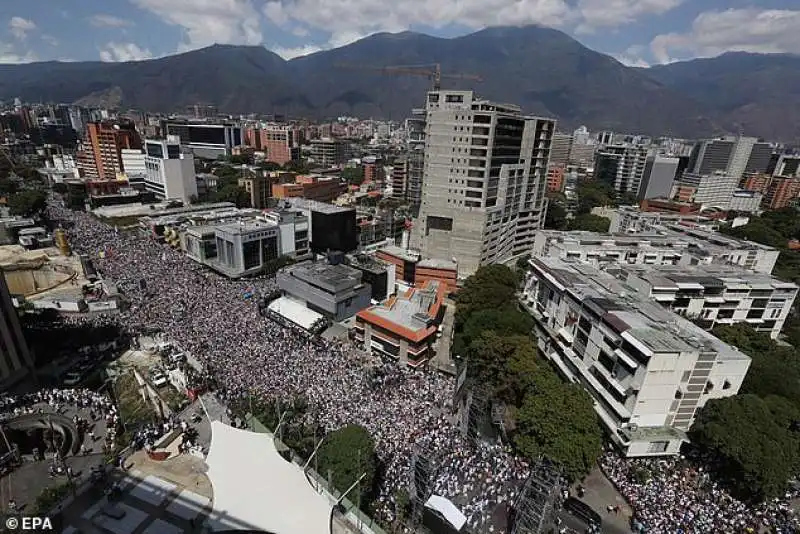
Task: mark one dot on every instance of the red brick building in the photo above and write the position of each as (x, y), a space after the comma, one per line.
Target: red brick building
(101, 153)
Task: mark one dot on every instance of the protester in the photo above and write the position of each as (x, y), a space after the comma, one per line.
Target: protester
(208, 317)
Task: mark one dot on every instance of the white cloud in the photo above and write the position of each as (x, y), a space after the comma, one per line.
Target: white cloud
(732, 30)
(348, 20)
(291, 53)
(19, 27)
(206, 22)
(49, 39)
(114, 52)
(615, 13)
(632, 56)
(8, 54)
(109, 21)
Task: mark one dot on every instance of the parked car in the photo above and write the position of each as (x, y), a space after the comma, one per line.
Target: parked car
(582, 511)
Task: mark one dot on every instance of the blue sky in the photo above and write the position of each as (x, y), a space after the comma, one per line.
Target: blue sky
(637, 32)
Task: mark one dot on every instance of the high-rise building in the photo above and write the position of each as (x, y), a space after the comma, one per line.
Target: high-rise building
(206, 140)
(781, 192)
(485, 173)
(328, 152)
(100, 157)
(280, 142)
(787, 165)
(712, 190)
(170, 170)
(659, 175)
(622, 166)
(732, 155)
(560, 151)
(15, 359)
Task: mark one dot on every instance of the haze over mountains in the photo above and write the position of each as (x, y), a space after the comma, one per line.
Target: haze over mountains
(544, 70)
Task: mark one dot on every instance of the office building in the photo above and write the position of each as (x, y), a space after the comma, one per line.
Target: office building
(15, 358)
(622, 166)
(711, 190)
(787, 165)
(169, 170)
(560, 151)
(205, 140)
(100, 156)
(405, 327)
(659, 175)
(328, 152)
(280, 143)
(732, 155)
(484, 180)
(258, 186)
(758, 182)
(335, 291)
(714, 295)
(582, 153)
(331, 228)
(411, 167)
(781, 192)
(649, 370)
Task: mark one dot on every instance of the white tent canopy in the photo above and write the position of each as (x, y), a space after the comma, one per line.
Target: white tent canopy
(448, 511)
(256, 489)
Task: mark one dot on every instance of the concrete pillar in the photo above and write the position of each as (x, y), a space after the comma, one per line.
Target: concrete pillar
(403, 354)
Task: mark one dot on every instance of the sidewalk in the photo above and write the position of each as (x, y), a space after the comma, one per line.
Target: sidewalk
(601, 493)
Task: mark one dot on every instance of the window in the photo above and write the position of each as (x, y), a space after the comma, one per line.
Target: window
(453, 99)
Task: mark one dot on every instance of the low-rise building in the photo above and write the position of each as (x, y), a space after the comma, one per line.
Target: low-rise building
(258, 187)
(662, 245)
(713, 295)
(335, 291)
(631, 220)
(406, 326)
(648, 369)
(412, 269)
(311, 187)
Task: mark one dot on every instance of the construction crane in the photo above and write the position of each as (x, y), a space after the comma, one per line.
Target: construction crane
(431, 71)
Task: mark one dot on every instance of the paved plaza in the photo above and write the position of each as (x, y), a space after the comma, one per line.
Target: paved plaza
(150, 505)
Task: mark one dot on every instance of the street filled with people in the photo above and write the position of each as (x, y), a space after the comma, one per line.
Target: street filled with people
(216, 321)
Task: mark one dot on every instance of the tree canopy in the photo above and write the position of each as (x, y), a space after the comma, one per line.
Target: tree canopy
(27, 202)
(755, 451)
(589, 222)
(347, 453)
(556, 216)
(492, 286)
(353, 175)
(507, 320)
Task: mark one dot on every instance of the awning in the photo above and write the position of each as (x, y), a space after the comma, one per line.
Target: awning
(256, 489)
(448, 510)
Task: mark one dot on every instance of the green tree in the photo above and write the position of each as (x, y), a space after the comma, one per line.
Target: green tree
(505, 364)
(506, 321)
(755, 455)
(269, 166)
(347, 453)
(353, 175)
(589, 222)
(593, 194)
(558, 420)
(27, 202)
(299, 166)
(240, 159)
(556, 216)
(492, 286)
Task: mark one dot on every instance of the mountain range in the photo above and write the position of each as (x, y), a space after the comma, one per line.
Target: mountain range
(543, 70)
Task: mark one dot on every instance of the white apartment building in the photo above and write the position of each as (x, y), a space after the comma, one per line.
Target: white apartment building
(169, 170)
(714, 295)
(648, 369)
(713, 190)
(484, 180)
(629, 219)
(663, 245)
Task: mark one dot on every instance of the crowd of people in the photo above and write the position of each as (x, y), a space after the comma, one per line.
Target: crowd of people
(675, 495)
(208, 317)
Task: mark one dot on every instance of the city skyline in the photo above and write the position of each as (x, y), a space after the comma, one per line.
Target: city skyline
(636, 32)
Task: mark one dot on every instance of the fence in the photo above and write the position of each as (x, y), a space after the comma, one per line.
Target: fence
(353, 515)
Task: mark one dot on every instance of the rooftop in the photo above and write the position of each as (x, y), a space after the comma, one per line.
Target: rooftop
(245, 226)
(657, 328)
(336, 278)
(410, 315)
(314, 205)
(402, 253)
(438, 264)
(712, 275)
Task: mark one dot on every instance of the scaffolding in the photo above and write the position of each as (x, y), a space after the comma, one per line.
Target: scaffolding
(424, 470)
(537, 507)
(474, 414)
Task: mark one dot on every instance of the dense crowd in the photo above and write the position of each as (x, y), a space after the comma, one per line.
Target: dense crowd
(216, 321)
(674, 495)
